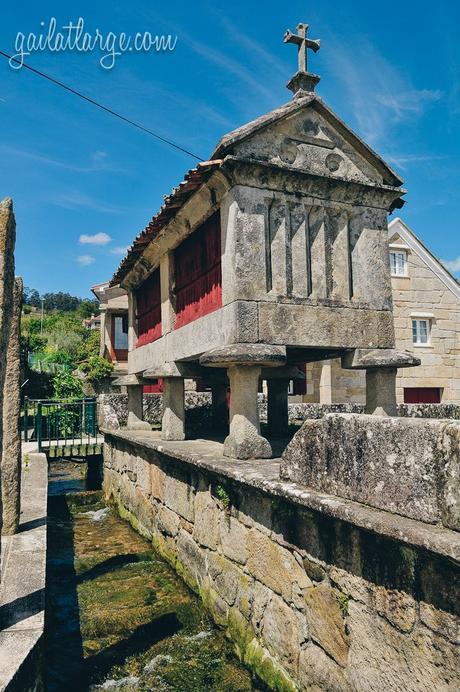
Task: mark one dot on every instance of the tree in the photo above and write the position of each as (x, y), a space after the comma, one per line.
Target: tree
(96, 368)
(31, 297)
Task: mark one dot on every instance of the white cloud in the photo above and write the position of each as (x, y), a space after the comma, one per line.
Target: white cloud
(452, 265)
(120, 250)
(96, 239)
(85, 260)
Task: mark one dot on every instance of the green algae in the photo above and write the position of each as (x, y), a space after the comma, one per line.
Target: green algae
(117, 611)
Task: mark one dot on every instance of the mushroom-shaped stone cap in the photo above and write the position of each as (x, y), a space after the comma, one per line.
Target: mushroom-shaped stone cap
(264, 355)
(366, 359)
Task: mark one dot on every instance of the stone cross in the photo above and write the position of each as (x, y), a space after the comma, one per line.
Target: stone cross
(303, 44)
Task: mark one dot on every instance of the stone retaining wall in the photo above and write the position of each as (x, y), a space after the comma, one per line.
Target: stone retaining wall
(311, 602)
(113, 409)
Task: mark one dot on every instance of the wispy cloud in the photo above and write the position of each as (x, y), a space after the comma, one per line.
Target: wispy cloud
(85, 260)
(452, 265)
(96, 239)
(100, 160)
(119, 250)
(379, 95)
(408, 103)
(403, 161)
(76, 199)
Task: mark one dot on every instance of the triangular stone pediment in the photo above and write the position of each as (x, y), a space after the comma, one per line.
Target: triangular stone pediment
(308, 136)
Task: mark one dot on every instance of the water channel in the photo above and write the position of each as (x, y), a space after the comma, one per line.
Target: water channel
(117, 616)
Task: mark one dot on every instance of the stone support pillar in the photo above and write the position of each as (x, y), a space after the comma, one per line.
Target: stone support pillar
(11, 452)
(219, 406)
(381, 392)
(381, 366)
(277, 408)
(244, 440)
(135, 408)
(173, 421)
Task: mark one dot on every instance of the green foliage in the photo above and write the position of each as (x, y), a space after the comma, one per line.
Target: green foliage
(89, 346)
(96, 368)
(223, 496)
(66, 386)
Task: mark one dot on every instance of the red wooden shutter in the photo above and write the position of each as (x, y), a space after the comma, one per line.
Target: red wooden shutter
(148, 300)
(198, 273)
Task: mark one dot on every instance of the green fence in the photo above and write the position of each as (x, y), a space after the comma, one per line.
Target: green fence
(62, 428)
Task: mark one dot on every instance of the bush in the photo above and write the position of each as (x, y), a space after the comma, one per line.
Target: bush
(96, 368)
(66, 386)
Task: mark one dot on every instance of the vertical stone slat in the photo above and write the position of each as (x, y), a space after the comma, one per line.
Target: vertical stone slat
(288, 249)
(7, 243)
(11, 448)
(308, 211)
(268, 245)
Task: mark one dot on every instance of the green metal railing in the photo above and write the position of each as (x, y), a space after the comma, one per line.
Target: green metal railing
(62, 428)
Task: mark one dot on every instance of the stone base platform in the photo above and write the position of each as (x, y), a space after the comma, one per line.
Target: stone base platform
(315, 591)
(22, 590)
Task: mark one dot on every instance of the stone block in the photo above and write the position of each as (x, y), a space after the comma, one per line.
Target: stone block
(281, 633)
(179, 496)
(233, 539)
(192, 557)
(168, 522)
(326, 621)
(407, 466)
(275, 566)
(320, 673)
(207, 520)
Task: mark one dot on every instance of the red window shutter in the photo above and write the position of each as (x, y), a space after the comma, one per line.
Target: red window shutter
(148, 300)
(198, 273)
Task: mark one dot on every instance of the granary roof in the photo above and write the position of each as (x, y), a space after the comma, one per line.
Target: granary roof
(193, 179)
(296, 104)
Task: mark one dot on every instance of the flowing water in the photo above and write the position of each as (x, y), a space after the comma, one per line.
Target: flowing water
(118, 617)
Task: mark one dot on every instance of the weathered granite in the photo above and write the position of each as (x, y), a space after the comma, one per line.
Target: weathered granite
(402, 465)
(367, 358)
(11, 452)
(7, 245)
(310, 600)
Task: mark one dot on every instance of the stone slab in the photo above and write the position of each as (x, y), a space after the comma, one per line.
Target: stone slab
(367, 358)
(22, 599)
(403, 465)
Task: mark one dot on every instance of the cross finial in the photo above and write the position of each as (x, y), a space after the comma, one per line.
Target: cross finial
(303, 81)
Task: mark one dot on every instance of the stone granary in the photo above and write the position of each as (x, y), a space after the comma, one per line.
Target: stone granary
(273, 252)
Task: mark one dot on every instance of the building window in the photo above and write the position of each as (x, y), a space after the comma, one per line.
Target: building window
(398, 263)
(421, 332)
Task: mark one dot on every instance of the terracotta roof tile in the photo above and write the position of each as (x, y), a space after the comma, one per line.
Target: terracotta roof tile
(171, 205)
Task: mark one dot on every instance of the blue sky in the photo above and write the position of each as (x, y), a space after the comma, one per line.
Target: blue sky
(84, 184)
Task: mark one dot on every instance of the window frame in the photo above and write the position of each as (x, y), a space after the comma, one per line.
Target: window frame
(398, 251)
(417, 333)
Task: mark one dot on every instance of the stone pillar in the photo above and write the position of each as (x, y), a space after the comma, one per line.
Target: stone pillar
(381, 392)
(168, 314)
(11, 451)
(325, 383)
(132, 323)
(219, 406)
(244, 440)
(173, 421)
(277, 408)
(381, 366)
(135, 408)
(7, 243)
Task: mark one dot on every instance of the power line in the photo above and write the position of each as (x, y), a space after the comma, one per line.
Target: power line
(99, 105)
